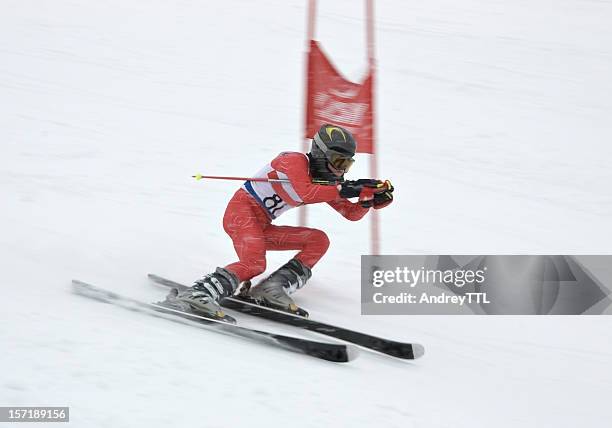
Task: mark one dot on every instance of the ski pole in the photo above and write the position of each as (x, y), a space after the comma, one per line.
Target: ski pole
(217, 177)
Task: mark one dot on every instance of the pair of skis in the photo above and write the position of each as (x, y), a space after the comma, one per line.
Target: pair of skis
(326, 351)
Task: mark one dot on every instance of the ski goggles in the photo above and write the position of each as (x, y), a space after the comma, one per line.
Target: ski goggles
(336, 159)
(340, 161)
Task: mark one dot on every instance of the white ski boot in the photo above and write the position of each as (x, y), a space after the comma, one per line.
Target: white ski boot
(275, 290)
(203, 297)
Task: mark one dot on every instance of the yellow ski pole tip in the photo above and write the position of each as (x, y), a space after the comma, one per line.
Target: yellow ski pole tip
(197, 176)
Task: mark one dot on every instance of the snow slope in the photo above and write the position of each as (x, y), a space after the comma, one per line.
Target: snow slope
(494, 125)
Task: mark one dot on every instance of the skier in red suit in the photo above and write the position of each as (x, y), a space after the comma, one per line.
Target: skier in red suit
(292, 179)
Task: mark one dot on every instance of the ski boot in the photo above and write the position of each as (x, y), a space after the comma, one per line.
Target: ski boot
(275, 290)
(203, 297)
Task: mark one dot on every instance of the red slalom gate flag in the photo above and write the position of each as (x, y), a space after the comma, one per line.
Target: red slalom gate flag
(333, 99)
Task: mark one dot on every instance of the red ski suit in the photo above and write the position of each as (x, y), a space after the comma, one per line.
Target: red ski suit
(249, 214)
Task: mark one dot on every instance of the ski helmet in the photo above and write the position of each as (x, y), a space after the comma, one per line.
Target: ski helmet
(331, 146)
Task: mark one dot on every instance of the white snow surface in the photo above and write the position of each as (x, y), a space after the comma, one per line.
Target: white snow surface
(494, 124)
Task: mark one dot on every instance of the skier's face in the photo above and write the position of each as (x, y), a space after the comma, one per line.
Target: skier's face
(337, 172)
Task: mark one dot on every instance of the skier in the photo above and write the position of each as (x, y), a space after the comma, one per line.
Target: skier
(315, 177)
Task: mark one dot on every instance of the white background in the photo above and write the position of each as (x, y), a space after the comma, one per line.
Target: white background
(493, 123)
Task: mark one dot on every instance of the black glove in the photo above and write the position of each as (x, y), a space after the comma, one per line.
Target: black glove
(364, 187)
(381, 199)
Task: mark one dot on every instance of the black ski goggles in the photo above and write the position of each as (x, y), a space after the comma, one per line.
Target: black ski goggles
(338, 160)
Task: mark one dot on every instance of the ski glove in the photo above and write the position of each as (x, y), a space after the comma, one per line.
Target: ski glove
(363, 189)
(371, 193)
(381, 199)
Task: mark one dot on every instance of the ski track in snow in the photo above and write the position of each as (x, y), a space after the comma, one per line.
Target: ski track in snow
(494, 125)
